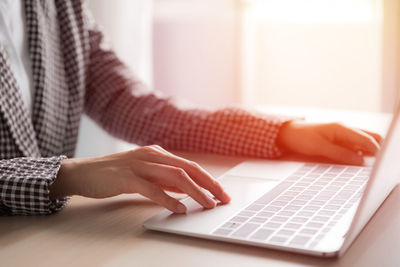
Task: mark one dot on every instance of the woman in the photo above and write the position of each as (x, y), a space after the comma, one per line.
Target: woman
(57, 65)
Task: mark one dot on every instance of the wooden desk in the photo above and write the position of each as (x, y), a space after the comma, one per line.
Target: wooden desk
(109, 232)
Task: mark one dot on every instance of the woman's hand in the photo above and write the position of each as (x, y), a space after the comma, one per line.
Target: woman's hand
(147, 170)
(332, 140)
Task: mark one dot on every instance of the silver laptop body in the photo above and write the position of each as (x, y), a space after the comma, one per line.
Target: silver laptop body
(316, 209)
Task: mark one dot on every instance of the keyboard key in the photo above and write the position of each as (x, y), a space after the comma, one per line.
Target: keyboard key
(311, 208)
(297, 188)
(279, 203)
(331, 207)
(271, 208)
(291, 193)
(286, 213)
(285, 198)
(305, 213)
(298, 202)
(326, 212)
(245, 230)
(258, 220)
(223, 232)
(265, 214)
(272, 225)
(278, 239)
(300, 240)
(292, 225)
(330, 175)
(261, 234)
(315, 187)
(337, 202)
(333, 188)
(292, 207)
(239, 219)
(305, 184)
(337, 169)
(317, 203)
(344, 194)
(325, 179)
(255, 207)
(314, 225)
(327, 193)
(299, 219)
(285, 232)
(340, 184)
(310, 192)
(304, 197)
(322, 198)
(246, 213)
(351, 187)
(279, 219)
(231, 225)
(320, 218)
(353, 169)
(308, 231)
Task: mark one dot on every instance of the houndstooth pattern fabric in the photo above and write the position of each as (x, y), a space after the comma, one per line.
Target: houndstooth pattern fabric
(75, 71)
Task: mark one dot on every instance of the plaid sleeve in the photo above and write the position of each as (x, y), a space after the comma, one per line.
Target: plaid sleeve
(128, 110)
(24, 186)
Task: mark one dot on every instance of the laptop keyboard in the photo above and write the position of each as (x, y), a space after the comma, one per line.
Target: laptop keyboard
(301, 209)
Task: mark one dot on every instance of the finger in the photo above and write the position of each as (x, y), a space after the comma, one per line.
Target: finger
(356, 138)
(170, 188)
(376, 136)
(156, 194)
(196, 173)
(201, 177)
(340, 154)
(173, 177)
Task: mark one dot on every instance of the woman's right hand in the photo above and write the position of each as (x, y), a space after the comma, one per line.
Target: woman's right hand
(146, 170)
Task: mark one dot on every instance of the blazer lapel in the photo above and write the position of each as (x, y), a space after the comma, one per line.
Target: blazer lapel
(50, 101)
(14, 110)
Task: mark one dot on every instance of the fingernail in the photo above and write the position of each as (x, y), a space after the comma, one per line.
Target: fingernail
(180, 208)
(211, 204)
(227, 198)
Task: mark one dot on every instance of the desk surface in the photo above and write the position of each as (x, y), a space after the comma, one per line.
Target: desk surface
(109, 232)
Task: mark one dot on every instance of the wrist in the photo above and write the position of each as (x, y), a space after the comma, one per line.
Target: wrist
(64, 184)
(284, 134)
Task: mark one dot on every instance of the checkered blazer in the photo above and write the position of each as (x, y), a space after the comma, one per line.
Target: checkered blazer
(75, 71)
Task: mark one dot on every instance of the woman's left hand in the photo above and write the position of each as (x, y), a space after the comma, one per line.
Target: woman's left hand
(334, 141)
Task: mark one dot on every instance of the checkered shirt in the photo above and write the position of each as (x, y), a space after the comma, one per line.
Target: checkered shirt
(75, 71)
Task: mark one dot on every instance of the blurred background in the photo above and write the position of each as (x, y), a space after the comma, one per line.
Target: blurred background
(340, 54)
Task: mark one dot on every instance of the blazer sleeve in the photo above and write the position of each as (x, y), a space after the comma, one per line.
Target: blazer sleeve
(24, 186)
(124, 107)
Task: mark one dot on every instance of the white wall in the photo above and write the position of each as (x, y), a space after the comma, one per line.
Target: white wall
(127, 24)
(325, 59)
(195, 50)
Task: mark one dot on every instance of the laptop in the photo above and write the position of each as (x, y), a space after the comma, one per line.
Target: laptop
(309, 208)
